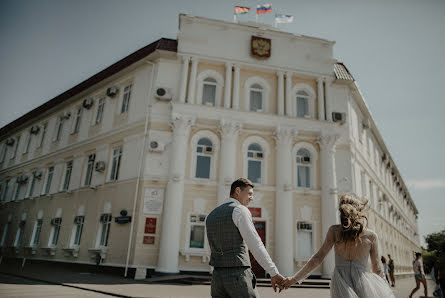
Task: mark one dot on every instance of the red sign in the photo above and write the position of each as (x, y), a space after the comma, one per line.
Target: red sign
(149, 240)
(256, 212)
(150, 225)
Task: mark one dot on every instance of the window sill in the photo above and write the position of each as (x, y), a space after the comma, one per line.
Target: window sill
(31, 249)
(204, 254)
(13, 249)
(49, 250)
(74, 251)
(102, 251)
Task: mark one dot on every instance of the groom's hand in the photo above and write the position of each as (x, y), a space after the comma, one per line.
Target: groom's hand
(277, 280)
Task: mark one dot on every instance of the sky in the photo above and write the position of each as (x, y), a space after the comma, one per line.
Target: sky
(395, 49)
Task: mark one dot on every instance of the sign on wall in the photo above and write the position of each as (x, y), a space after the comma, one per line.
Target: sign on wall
(150, 225)
(153, 200)
(149, 240)
(260, 47)
(256, 212)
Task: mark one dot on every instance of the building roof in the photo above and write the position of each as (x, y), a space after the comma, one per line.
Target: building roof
(161, 44)
(342, 73)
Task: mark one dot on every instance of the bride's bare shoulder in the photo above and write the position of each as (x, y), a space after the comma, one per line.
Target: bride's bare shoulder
(370, 233)
(335, 228)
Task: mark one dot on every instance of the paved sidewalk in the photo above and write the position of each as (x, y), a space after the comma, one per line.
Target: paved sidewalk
(74, 283)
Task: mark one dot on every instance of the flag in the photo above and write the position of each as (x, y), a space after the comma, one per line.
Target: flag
(241, 10)
(265, 8)
(283, 18)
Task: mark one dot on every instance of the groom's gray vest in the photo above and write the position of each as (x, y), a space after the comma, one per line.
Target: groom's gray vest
(228, 248)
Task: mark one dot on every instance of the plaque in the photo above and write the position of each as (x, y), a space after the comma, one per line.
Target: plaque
(149, 240)
(260, 47)
(150, 225)
(153, 200)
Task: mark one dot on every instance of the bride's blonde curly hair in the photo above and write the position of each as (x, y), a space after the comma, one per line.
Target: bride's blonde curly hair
(352, 218)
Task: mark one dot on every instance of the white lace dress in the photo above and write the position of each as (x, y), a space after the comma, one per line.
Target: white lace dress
(351, 277)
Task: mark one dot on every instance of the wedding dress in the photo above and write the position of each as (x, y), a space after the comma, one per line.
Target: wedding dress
(351, 277)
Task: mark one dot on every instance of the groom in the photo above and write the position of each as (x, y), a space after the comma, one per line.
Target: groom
(229, 228)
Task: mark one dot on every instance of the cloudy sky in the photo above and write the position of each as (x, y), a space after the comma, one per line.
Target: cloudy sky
(394, 48)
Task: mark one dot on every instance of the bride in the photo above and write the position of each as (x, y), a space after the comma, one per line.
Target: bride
(353, 244)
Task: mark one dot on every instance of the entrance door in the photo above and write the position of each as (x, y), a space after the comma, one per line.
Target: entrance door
(260, 227)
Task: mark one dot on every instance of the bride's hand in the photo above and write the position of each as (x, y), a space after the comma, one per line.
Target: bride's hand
(288, 282)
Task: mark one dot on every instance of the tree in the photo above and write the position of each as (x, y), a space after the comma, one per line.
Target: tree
(435, 251)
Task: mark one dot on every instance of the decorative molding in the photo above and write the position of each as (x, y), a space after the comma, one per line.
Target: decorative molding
(181, 124)
(229, 128)
(284, 135)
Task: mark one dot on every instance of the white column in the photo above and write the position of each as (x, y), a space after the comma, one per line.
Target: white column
(320, 100)
(329, 201)
(192, 81)
(172, 213)
(229, 139)
(328, 97)
(284, 216)
(228, 85)
(280, 95)
(184, 75)
(288, 93)
(235, 95)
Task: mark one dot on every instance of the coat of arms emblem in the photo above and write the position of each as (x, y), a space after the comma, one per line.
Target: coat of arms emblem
(260, 47)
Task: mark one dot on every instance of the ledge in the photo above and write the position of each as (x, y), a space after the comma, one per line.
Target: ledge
(102, 251)
(31, 249)
(205, 255)
(49, 250)
(74, 251)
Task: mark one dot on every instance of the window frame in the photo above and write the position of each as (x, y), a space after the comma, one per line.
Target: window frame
(99, 111)
(265, 93)
(114, 170)
(77, 120)
(77, 227)
(54, 233)
(89, 170)
(42, 137)
(213, 159)
(101, 235)
(67, 175)
(298, 257)
(36, 233)
(310, 97)
(210, 73)
(16, 147)
(189, 226)
(313, 165)
(266, 151)
(126, 97)
(48, 180)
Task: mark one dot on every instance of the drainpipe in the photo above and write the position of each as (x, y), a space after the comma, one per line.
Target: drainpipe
(141, 163)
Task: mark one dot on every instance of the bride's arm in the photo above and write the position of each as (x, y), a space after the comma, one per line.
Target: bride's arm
(374, 255)
(315, 260)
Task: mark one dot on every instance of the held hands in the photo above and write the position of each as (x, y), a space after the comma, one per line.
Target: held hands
(277, 281)
(288, 281)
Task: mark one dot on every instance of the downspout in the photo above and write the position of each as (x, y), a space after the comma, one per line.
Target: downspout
(141, 163)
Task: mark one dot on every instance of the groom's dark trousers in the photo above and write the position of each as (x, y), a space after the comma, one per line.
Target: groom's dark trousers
(232, 276)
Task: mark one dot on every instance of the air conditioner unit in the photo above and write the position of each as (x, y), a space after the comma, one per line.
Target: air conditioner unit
(259, 155)
(99, 166)
(104, 218)
(305, 159)
(78, 220)
(38, 175)
(366, 124)
(56, 221)
(383, 157)
(87, 103)
(304, 226)
(66, 115)
(112, 91)
(35, 129)
(209, 149)
(163, 94)
(156, 146)
(10, 141)
(338, 117)
(22, 179)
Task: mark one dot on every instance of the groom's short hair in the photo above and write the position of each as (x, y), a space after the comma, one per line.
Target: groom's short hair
(242, 183)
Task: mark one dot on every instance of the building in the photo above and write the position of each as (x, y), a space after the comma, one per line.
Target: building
(122, 169)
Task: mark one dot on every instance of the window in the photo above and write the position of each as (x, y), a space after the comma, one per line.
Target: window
(68, 171)
(117, 154)
(59, 128)
(42, 137)
(104, 229)
(204, 152)
(254, 160)
(20, 189)
(303, 168)
(4, 234)
(49, 179)
(304, 242)
(3, 153)
(209, 92)
(16, 147)
(302, 104)
(55, 230)
(28, 143)
(126, 99)
(77, 121)
(32, 184)
(197, 231)
(6, 190)
(36, 235)
(256, 98)
(77, 230)
(19, 235)
(100, 110)
(90, 167)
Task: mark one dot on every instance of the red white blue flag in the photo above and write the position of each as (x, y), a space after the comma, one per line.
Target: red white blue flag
(263, 8)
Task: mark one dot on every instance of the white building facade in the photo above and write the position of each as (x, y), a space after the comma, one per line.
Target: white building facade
(160, 136)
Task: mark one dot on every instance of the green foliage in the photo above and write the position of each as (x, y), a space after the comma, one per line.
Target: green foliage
(436, 242)
(435, 251)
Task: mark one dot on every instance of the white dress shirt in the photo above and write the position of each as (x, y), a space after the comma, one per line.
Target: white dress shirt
(243, 221)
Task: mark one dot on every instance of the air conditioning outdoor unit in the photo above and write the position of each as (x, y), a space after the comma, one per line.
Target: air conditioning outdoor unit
(259, 155)
(10, 141)
(35, 129)
(163, 94)
(156, 146)
(22, 179)
(66, 115)
(209, 149)
(305, 159)
(383, 157)
(78, 220)
(104, 218)
(99, 166)
(366, 124)
(87, 103)
(56, 221)
(304, 226)
(38, 175)
(338, 117)
(112, 91)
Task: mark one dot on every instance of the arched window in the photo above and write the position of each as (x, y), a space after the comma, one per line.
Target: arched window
(204, 152)
(302, 104)
(254, 162)
(256, 98)
(303, 168)
(209, 91)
